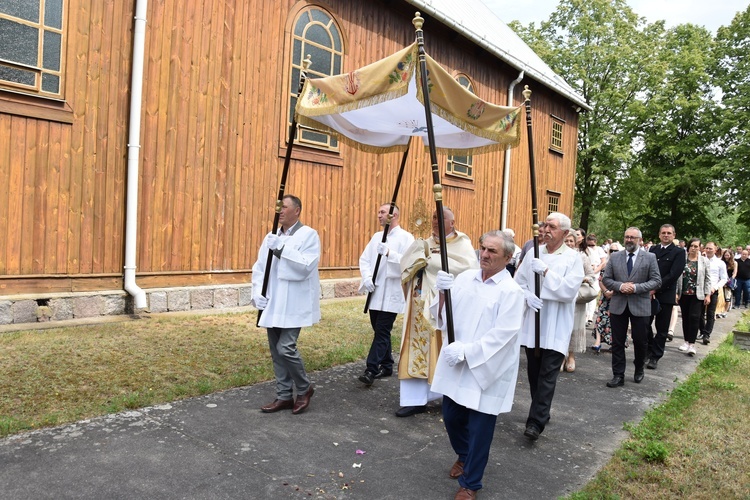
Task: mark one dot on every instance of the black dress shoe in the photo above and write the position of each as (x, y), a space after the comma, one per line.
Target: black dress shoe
(651, 365)
(532, 432)
(384, 373)
(367, 378)
(617, 381)
(706, 340)
(638, 376)
(408, 411)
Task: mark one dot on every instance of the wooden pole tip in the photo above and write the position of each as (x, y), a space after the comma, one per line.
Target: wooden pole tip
(526, 93)
(418, 21)
(307, 62)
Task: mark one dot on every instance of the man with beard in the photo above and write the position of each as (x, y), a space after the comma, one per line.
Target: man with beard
(631, 274)
(671, 261)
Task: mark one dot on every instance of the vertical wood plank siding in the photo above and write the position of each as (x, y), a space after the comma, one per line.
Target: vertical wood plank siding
(213, 126)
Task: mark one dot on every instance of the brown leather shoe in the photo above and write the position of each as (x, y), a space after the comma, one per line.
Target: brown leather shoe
(457, 470)
(465, 494)
(303, 401)
(278, 405)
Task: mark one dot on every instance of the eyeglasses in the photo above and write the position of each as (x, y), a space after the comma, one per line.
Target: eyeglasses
(632, 237)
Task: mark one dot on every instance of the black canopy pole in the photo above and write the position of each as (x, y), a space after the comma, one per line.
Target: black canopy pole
(282, 184)
(437, 188)
(534, 214)
(387, 226)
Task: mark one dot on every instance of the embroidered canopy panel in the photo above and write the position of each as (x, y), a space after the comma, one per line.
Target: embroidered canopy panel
(377, 108)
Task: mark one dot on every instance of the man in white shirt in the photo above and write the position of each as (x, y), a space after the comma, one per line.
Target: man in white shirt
(561, 272)
(420, 339)
(477, 372)
(387, 296)
(718, 273)
(292, 301)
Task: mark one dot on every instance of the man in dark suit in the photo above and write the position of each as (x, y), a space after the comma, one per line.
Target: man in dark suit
(632, 274)
(671, 261)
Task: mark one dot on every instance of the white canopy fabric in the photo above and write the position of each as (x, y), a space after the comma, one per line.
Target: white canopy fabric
(379, 107)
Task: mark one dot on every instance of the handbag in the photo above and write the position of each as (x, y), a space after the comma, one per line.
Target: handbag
(655, 306)
(586, 293)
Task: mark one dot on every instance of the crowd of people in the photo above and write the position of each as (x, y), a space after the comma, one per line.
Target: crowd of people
(463, 330)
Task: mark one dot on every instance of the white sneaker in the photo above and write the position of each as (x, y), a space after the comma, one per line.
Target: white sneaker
(692, 351)
(684, 347)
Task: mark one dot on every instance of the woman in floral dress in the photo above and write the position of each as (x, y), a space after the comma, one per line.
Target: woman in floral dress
(602, 332)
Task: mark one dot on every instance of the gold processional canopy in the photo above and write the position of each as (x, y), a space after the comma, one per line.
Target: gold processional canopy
(379, 107)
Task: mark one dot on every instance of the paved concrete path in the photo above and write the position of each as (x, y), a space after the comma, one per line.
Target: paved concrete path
(347, 445)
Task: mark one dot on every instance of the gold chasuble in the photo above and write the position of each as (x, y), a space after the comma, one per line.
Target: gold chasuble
(421, 341)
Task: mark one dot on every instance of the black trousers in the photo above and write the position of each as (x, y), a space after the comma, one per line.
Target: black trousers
(657, 341)
(543, 372)
(380, 351)
(638, 328)
(708, 316)
(690, 308)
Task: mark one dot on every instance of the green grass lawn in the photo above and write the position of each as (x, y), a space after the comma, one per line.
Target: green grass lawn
(56, 376)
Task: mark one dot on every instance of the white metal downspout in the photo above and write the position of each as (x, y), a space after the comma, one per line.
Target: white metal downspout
(134, 146)
(506, 166)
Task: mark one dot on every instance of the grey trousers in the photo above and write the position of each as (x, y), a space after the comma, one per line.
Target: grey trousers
(287, 362)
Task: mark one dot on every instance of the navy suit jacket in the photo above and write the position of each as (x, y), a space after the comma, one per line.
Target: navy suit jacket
(671, 261)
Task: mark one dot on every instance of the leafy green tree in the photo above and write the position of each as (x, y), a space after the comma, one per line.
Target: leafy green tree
(676, 171)
(607, 53)
(732, 76)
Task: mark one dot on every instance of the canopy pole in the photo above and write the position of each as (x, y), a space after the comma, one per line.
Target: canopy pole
(437, 188)
(387, 226)
(282, 184)
(534, 214)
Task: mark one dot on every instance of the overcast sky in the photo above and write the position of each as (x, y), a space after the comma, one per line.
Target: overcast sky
(708, 13)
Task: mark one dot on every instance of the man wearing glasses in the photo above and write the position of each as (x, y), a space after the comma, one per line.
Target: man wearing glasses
(631, 274)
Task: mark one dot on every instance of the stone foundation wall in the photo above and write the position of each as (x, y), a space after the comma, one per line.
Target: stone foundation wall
(61, 307)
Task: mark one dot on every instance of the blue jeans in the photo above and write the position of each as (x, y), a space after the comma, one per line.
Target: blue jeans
(470, 433)
(743, 286)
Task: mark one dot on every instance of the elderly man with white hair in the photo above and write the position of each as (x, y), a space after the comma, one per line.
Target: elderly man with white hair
(477, 373)
(561, 271)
